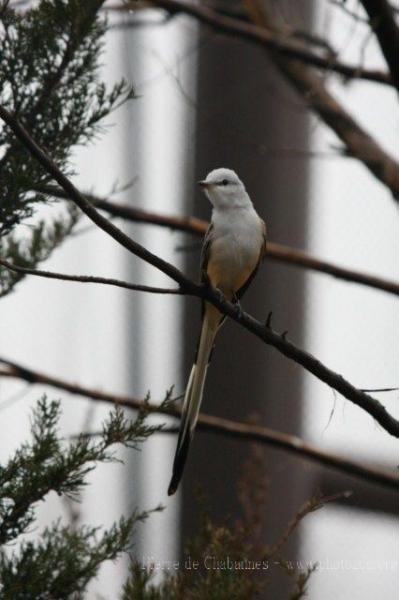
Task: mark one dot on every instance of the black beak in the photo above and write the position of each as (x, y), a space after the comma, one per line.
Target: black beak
(203, 184)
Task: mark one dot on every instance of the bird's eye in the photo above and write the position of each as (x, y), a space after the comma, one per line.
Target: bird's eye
(225, 182)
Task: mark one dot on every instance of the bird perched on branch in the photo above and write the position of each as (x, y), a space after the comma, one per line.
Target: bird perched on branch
(233, 249)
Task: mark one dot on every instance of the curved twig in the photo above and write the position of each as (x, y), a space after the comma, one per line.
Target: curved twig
(90, 279)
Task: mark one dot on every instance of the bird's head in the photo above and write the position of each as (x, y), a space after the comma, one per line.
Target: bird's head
(225, 189)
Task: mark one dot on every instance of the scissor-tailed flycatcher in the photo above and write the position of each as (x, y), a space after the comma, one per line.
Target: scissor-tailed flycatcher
(233, 248)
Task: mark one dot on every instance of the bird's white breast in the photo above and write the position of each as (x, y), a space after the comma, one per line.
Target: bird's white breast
(235, 250)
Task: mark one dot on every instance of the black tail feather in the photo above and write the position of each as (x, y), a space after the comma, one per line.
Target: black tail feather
(179, 462)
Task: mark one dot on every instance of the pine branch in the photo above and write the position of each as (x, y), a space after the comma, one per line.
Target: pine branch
(49, 78)
(28, 251)
(61, 561)
(46, 464)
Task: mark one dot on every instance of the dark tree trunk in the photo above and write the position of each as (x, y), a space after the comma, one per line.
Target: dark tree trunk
(245, 116)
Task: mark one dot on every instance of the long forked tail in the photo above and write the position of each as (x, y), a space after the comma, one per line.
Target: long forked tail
(193, 395)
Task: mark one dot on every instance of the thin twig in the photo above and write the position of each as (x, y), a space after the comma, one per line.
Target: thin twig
(310, 506)
(350, 13)
(225, 427)
(89, 279)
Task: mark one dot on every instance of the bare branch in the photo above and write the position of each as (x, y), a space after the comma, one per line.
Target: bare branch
(268, 38)
(229, 11)
(350, 13)
(383, 23)
(136, 215)
(90, 279)
(288, 255)
(264, 332)
(358, 143)
(275, 251)
(231, 429)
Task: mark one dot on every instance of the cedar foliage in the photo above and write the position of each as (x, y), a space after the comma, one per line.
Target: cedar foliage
(61, 561)
(49, 79)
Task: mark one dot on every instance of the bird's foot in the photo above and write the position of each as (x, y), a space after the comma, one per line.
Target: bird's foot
(236, 302)
(220, 295)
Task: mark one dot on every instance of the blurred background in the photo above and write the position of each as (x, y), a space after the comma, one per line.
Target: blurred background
(206, 100)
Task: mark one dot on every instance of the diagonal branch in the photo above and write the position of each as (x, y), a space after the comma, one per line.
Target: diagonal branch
(90, 279)
(382, 21)
(230, 429)
(85, 206)
(358, 143)
(198, 227)
(263, 331)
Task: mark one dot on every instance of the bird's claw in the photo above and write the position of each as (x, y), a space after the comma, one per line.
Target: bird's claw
(219, 295)
(237, 306)
(239, 311)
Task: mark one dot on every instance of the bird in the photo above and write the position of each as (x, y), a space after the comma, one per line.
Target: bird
(233, 248)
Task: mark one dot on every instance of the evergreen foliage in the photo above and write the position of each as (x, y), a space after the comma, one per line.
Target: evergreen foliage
(62, 561)
(49, 79)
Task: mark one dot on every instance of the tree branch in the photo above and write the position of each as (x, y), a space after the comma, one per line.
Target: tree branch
(230, 429)
(263, 331)
(358, 143)
(230, 11)
(90, 279)
(198, 227)
(383, 23)
(270, 39)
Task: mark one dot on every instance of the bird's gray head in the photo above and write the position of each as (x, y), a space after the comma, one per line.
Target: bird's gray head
(225, 189)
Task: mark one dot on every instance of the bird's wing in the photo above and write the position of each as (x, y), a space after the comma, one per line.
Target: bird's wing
(206, 252)
(262, 254)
